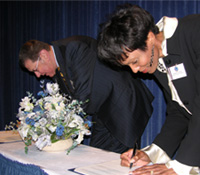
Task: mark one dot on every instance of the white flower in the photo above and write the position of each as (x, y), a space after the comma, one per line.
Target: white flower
(37, 124)
(52, 128)
(30, 115)
(52, 88)
(39, 102)
(76, 122)
(26, 104)
(21, 115)
(33, 134)
(60, 106)
(80, 138)
(48, 106)
(23, 130)
(43, 140)
(43, 121)
(83, 131)
(52, 114)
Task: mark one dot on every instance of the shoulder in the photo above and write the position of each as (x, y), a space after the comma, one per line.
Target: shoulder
(85, 40)
(190, 18)
(189, 23)
(187, 30)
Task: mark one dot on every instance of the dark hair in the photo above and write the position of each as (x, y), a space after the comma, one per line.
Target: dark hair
(126, 30)
(30, 50)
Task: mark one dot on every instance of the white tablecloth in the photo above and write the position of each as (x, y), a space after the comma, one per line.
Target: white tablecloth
(56, 163)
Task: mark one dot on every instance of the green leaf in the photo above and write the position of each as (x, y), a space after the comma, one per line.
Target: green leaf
(54, 138)
(67, 135)
(53, 106)
(26, 149)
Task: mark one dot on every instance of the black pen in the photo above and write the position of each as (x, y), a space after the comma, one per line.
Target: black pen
(134, 151)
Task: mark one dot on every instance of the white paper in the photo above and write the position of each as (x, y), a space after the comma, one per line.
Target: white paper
(9, 136)
(106, 168)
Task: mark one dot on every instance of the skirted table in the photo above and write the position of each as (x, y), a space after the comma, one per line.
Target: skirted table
(82, 160)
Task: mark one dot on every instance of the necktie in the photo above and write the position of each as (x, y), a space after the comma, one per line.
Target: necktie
(67, 84)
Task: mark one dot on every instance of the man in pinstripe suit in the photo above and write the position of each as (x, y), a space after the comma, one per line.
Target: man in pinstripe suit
(119, 103)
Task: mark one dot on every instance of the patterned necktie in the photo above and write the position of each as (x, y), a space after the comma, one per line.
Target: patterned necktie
(68, 85)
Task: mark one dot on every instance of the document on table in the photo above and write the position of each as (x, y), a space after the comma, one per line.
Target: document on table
(106, 168)
(9, 137)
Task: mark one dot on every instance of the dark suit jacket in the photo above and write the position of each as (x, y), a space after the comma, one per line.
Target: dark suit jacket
(181, 130)
(121, 103)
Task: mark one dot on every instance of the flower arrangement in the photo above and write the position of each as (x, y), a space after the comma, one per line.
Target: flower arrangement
(51, 118)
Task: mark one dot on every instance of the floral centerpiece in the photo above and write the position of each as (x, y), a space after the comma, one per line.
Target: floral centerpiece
(51, 118)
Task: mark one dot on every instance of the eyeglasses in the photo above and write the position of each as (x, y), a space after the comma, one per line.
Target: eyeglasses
(36, 67)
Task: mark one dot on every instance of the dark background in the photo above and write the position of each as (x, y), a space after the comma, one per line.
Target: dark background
(53, 20)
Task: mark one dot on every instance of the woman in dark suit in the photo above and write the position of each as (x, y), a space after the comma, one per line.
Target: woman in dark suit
(170, 51)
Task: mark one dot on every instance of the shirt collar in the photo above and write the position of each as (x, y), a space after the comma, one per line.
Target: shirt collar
(167, 25)
(55, 56)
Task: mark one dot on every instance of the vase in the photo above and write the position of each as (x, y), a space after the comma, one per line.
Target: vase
(61, 145)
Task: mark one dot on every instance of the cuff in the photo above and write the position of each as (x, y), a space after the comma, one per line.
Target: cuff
(182, 169)
(156, 154)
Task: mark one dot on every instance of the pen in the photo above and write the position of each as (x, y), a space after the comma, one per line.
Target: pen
(134, 151)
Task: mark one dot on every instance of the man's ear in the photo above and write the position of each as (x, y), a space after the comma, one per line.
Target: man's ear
(44, 55)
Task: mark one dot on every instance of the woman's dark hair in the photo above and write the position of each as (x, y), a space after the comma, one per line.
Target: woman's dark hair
(126, 30)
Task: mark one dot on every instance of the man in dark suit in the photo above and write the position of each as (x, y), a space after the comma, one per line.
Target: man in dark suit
(119, 103)
(170, 51)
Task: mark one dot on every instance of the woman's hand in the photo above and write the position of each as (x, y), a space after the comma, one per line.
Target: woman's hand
(140, 158)
(156, 169)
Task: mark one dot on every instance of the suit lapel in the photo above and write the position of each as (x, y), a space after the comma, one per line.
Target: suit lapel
(162, 80)
(62, 73)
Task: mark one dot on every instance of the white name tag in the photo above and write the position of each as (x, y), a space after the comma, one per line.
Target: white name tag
(177, 71)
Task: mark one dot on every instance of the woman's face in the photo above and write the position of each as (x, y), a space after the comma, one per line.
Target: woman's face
(143, 61)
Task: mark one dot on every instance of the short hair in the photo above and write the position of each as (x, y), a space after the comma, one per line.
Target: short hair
(30, 50)
(126, 30)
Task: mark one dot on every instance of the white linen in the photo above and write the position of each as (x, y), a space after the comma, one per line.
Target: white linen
(55, 163)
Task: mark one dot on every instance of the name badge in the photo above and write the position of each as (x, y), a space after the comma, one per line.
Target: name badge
(177, 71)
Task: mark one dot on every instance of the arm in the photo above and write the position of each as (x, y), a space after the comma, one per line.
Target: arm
(173, 129)
(186, 159)
(192, 46)
(80, 62)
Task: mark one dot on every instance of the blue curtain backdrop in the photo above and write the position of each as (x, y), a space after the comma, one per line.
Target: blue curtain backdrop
(53, 20)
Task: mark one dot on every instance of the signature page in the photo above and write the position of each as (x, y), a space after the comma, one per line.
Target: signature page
(106, 168)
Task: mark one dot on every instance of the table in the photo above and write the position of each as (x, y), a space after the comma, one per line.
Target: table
(55, 163)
